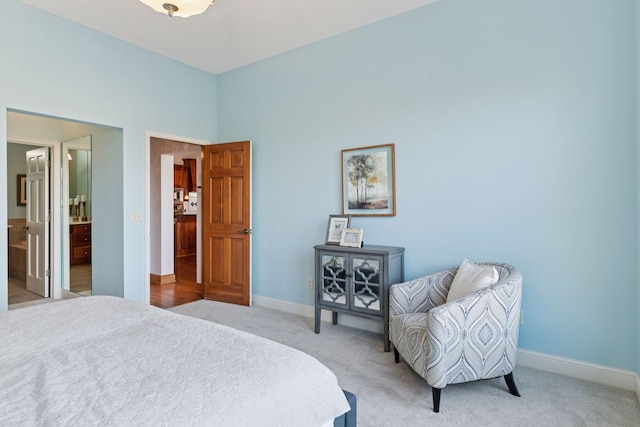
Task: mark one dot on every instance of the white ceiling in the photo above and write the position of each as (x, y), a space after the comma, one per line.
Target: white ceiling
(231, 33)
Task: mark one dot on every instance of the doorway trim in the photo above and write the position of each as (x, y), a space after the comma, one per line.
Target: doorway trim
(147, 202)
(55, 261)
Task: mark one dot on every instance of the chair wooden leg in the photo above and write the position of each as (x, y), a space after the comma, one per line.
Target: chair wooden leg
(396, 355)
(436, 398)
(511, 384)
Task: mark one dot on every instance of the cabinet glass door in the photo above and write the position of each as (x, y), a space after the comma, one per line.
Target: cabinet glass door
(334, 280)
(367, 290)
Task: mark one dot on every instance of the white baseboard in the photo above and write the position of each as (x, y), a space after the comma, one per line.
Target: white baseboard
(308, 311)
(287, 307)
(65, 294)
(627, 380)
(614, 377)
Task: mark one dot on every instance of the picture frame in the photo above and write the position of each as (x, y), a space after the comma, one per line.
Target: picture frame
(337, 223)
(351, 237)
(22, 190)
(368, 181)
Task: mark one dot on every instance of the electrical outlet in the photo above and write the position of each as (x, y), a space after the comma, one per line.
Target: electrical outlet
(310, 284)
(521, 317)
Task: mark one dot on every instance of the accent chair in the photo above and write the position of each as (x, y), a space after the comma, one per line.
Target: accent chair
(470, 338)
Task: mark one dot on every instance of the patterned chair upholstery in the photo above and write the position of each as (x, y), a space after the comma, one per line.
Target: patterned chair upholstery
(472, 338)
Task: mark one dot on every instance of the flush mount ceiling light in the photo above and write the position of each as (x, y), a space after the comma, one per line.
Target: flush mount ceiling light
(182, 8)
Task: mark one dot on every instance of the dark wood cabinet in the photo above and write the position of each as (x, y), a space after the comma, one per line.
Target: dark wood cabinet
(185, 176)
(185, 235)
(177, 177)
(189, 173)
(80, 244)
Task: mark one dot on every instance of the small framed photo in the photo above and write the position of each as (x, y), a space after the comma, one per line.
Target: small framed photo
(351, 237)
(337, 223)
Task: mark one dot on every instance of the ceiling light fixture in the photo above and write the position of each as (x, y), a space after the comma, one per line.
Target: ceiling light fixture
(181, 8)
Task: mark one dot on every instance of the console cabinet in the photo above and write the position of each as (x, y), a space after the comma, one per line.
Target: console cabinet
(356, 281)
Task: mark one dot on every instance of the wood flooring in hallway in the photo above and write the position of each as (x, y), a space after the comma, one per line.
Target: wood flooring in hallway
(184, 290)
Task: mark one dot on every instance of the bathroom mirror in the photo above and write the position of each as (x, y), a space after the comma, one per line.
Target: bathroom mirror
(77, 194)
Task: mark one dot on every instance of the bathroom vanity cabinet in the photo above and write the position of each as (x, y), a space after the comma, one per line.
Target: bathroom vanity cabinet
(80, 243)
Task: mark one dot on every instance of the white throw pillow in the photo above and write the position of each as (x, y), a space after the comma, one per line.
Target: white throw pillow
(471, 278)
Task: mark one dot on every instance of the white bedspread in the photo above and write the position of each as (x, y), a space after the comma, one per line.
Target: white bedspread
(108, 361)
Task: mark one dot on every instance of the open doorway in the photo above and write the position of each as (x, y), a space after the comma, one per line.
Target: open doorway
(175, 182)
(99, 196)
(224, 217)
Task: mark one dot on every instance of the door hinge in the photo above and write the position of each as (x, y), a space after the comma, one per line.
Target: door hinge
(47, 273)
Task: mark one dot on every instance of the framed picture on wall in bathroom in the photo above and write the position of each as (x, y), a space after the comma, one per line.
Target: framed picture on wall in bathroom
(22, 190)
(368, 181)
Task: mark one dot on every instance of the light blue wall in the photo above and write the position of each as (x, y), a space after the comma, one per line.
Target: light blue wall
(514, 125)
(54, 67)
(515, 133)
(107, 226)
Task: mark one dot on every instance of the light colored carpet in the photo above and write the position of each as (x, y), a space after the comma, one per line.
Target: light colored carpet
(391, 394)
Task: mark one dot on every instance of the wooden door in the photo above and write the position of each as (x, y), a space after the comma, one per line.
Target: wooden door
(226, 222)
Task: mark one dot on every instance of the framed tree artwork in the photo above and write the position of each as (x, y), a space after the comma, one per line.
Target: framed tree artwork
(368, 181)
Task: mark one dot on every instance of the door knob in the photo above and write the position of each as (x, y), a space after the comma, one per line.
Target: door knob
(245, 231)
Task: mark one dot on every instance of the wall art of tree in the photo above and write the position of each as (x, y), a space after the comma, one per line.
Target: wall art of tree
(367, 181)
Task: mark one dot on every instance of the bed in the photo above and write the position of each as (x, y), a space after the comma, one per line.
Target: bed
(107, 361)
